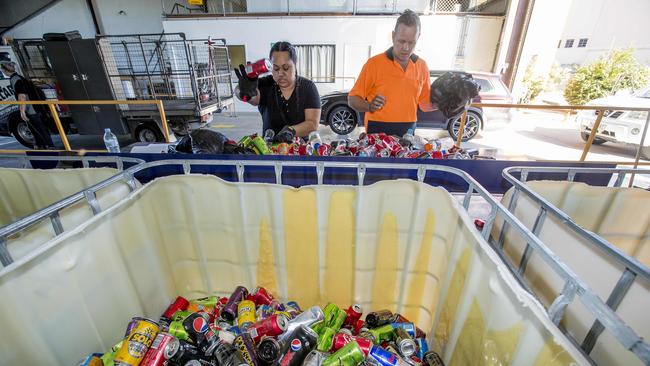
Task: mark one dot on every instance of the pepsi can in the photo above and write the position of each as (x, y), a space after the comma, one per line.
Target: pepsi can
(298, 345)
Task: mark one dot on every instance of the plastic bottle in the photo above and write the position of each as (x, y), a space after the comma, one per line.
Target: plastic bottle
(314, 140)
(110, 141)
(408, 139)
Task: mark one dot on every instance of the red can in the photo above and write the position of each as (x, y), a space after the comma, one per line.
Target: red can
(258, 67)
(437, 154)
(357, 326)
(354, 313)
(272, 326)
(382, 151)
(262, 297)
(305, 150)
(324, 150)
(179, 304)
(163, 347)
(341, 339)
(479, 224)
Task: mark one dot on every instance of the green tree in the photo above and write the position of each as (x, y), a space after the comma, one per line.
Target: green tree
(614, 71)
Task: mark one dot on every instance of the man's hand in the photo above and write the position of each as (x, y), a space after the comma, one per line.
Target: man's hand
(23, 116)
(377, 103)
(287, 134)
(247, 86)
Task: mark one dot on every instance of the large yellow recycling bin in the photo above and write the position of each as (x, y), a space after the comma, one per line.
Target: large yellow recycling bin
(25, 191)
(401, 245)
(619, 215)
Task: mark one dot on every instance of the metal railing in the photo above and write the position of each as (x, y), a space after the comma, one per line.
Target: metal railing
(594, 130)
(633, 268)
(52, 211)
(574, 286)
(57, 121)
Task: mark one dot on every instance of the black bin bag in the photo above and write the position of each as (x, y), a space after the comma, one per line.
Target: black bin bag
(453, 92)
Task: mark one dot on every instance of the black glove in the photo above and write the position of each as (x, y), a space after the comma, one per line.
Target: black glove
(247, 86)
(286, 134)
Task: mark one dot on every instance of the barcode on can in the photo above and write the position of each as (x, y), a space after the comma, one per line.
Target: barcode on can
(158, 341)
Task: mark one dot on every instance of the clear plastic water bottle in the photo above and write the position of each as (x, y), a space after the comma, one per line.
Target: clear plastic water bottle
(110, 140)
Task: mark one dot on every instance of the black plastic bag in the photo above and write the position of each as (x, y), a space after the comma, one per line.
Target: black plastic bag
(202, 141)
(453, 92)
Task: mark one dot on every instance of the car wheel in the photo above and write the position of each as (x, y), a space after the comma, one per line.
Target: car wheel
(148, 133)
(20, 130)
(342, 120)
(597, 141)
(472, 126)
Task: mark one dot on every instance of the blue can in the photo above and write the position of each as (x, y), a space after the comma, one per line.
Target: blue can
(423, 347)
(383, 357)
(235, 330)
(264, 311)
(408, 327)
(294, 305)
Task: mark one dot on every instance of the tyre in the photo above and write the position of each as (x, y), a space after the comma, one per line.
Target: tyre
(342, 120)
(148, 132)
(472, 126)
(597, 141)
(21, 132)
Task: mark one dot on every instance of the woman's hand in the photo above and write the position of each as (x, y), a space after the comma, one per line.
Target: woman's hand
(247, 86)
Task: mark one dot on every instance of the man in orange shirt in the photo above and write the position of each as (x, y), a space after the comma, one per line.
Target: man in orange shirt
(393, 84)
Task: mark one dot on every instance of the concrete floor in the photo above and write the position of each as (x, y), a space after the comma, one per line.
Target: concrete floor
(533, 135)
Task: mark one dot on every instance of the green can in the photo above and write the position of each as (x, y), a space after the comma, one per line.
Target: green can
(349, 355)
(325, 338)
(108, 358)
(383, 333)
(180, 315)
(261, 145)
(245, 141)
(177, 330)
(334, 316)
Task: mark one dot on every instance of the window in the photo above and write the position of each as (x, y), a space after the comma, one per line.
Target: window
(568, 43)
(237, 55)
(316, 62)
(486, 86)
(582, 42)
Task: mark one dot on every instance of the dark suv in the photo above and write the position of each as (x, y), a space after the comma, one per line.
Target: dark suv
(342, 119)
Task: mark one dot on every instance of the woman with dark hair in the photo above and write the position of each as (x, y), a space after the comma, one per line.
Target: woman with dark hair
(289, 104)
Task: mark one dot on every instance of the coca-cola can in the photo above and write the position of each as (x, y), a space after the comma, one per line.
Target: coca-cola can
(353, 314)
(163, 347)
(272, 326)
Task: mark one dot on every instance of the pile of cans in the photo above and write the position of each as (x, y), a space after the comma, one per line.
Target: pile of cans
(254, 329)
(367, 145)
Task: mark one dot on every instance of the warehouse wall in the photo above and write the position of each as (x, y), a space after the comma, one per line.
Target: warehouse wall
(63, 16)
(130, 16)
(437, 44)
(140, 16)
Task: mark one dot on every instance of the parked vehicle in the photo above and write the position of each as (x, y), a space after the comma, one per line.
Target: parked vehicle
(342, 119)
(27, 55)
(191, 77)
(618, 126)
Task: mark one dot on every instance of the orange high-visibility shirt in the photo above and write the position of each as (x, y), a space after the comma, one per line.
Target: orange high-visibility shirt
(403, 89)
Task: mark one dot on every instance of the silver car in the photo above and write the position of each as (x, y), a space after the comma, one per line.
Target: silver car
(618, 126)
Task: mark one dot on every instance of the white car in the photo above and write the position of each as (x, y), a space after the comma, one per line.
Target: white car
(618, 126)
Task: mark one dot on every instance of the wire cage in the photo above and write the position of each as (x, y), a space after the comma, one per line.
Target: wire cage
(168, 67)
(33, 60)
